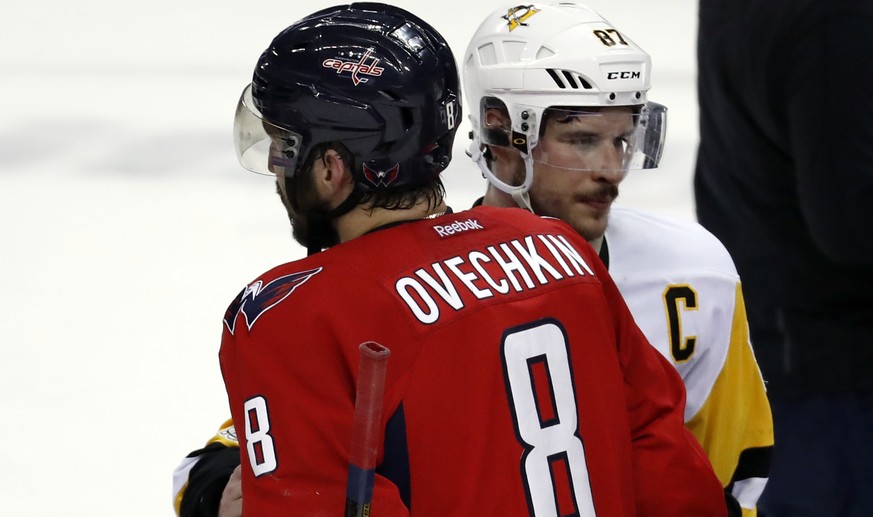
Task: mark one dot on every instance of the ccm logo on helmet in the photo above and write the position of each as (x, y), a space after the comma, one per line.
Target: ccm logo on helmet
(623, 75)
(446, 230)
(361, 67)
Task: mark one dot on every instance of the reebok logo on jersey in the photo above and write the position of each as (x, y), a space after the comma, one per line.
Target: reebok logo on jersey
(447, 230)
(257, 298)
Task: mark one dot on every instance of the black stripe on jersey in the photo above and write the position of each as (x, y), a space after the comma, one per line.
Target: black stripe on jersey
(753, 463)
(395, 462)
(604, 252)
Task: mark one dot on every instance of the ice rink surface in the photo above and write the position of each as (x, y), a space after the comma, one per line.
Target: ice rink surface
(127, 226)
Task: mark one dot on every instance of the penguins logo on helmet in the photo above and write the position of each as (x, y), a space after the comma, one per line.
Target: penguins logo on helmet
(517, 16)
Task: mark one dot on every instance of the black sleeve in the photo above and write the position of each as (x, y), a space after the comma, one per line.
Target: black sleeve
(753, 463)
(829, 120)
(207, 480)
(733, 506)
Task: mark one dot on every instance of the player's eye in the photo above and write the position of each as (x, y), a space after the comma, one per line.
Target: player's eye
(583, 141)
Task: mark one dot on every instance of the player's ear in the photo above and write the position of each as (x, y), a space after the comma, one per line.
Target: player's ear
(496, 118)
(332, 176)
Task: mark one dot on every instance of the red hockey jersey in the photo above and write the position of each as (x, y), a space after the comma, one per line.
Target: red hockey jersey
(518, 383)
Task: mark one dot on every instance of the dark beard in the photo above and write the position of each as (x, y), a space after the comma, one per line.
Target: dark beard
(308, 231)
(313, 231)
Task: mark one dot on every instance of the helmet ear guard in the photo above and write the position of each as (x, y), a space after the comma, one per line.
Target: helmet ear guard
(496, 130)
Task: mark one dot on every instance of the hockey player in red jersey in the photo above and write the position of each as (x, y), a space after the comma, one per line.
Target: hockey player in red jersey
(518, 382)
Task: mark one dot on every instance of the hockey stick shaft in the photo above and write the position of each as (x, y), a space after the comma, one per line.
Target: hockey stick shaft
(365, 429)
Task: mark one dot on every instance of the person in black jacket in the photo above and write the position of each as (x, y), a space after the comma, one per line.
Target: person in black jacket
(785, 179)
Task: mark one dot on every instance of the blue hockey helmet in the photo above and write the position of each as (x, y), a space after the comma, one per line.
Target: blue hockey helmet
(372, 76)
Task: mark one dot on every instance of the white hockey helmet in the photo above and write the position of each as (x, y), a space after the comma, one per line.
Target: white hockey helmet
(560, 56)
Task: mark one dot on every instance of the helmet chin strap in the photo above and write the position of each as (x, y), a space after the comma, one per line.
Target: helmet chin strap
(319, 221)
(519, 193)
(322, 221)
(521, 196)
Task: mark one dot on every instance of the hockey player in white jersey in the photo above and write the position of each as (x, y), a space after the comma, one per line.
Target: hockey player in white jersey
(558, 105)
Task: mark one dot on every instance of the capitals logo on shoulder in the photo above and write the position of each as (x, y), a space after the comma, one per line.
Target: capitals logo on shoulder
(257, 298)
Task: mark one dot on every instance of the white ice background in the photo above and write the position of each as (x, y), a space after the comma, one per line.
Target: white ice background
(126, 224)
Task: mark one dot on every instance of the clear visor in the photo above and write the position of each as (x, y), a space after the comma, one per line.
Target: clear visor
(590, 139)
(262, 147)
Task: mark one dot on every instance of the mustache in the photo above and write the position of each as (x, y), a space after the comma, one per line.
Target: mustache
(603, 193)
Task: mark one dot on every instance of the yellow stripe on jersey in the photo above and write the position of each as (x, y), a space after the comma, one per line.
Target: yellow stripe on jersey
(736, 415)
(177, 501)
(226, 435)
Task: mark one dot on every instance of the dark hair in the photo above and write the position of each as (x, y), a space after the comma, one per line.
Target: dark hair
(433, 193)
(392, 199)
(555, 112)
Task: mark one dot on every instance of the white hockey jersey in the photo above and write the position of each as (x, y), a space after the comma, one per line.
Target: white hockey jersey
(667, 262)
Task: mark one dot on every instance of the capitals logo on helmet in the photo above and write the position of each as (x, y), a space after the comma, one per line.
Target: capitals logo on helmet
(361, 67)
(381, 178)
